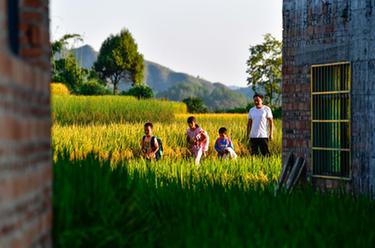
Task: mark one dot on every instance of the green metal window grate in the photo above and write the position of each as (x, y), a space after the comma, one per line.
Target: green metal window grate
(330, 127)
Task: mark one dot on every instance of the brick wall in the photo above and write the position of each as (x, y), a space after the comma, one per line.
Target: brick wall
(25, 157)
(327, 31)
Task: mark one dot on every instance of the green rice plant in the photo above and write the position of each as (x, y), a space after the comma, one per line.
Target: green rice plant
(83, 110)
(177, 204)
(122, 141)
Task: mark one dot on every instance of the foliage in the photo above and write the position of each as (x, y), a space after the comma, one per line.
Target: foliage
(59, 89)
(195, 105)
(218, 204)
(93, 88)
(65, 67)
(59, 45)
(82, 110)
(264, 68)
(119, 59)
(120, 142)
(141, 91)
(214, 96)
(68, 71)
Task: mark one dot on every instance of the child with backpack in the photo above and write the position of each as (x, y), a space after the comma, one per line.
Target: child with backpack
(197, 139)
(224, 145)
(152, 148)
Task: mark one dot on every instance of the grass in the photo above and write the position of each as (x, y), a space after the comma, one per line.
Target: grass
(122, 141)
(97, 204)
(84, 110)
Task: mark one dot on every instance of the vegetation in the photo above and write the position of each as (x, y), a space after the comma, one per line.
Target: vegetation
(83, 110)
(140, 91)
(119, 59)
(195, 105)
(214, 96)
(93, 88)
(264, 69)
(59, 89)
(120, 142)
(177, 204)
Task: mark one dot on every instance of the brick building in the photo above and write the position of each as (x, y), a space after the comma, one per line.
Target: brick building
(25, 157)
(329, 90)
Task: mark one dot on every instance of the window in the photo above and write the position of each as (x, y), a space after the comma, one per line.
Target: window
(330, 115)
(13, 25)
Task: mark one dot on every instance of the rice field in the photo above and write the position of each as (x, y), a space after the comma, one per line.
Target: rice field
(89, 110)
(121, 141)
(106, 195)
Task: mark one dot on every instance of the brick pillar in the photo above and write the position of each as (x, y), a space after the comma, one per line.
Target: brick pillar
(25, 154)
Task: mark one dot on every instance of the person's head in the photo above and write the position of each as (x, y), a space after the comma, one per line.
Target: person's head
(223, 132)
(148, 128)
(258, 100)
(192, 122)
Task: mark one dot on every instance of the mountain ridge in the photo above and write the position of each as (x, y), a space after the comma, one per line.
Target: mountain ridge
(167, 83)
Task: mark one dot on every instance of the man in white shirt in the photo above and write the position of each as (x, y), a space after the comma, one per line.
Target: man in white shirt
(260, 126)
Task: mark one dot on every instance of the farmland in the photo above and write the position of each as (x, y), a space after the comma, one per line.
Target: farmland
(106, 195)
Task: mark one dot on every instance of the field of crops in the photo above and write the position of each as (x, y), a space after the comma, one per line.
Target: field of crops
(106, 195)
(122, 141)
(82, 110)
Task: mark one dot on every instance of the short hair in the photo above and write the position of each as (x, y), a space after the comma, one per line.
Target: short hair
(222, 130)
(149, 124)
(258, 95)
(191, 119)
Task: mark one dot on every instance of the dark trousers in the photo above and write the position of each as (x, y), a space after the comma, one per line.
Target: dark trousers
(259, 144)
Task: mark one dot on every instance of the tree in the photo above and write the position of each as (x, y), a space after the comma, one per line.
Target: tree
(264, 68)
(195, 105)
(119, 59)
(65, 67)
(67, 70)
(140, 91)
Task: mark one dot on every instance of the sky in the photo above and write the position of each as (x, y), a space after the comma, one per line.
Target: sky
(205, 38)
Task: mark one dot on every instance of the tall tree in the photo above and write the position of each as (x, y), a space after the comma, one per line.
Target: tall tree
(119, 59)
(264, 68)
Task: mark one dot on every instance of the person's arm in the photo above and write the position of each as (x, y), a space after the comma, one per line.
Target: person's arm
(249, 124)
(270, 124)
(143, 147)
(203, 137)
(217, 147)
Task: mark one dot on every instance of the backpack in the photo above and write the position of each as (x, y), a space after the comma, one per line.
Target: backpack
(159, 153)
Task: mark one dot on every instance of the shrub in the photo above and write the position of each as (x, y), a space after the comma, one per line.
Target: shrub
(195, 105)
(59, 89)
(93, 88)
(141, 91)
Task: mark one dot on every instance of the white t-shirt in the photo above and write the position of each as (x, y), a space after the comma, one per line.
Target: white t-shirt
(259, 128)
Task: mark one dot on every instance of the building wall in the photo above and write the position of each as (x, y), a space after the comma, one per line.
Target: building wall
(25, 157)
(327, 31)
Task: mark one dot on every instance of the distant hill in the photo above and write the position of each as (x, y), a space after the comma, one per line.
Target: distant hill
(177, 86)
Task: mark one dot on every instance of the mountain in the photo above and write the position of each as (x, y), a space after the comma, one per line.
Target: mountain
(177, 86)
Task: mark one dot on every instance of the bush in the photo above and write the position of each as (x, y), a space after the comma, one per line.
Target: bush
(195, 105)
(141, 91)
(93, 88)
(59, 89)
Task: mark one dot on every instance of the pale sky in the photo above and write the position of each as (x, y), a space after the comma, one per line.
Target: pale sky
(209, 38)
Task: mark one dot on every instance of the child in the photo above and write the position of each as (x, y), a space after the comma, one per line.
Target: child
(197, 139)
(224, 145)
(149, 143)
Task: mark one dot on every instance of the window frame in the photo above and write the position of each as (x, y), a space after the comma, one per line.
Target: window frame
(13, 22)
(348, 120)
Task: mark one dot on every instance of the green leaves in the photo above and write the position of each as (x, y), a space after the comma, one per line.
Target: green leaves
(264, 68)
(119, 59)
